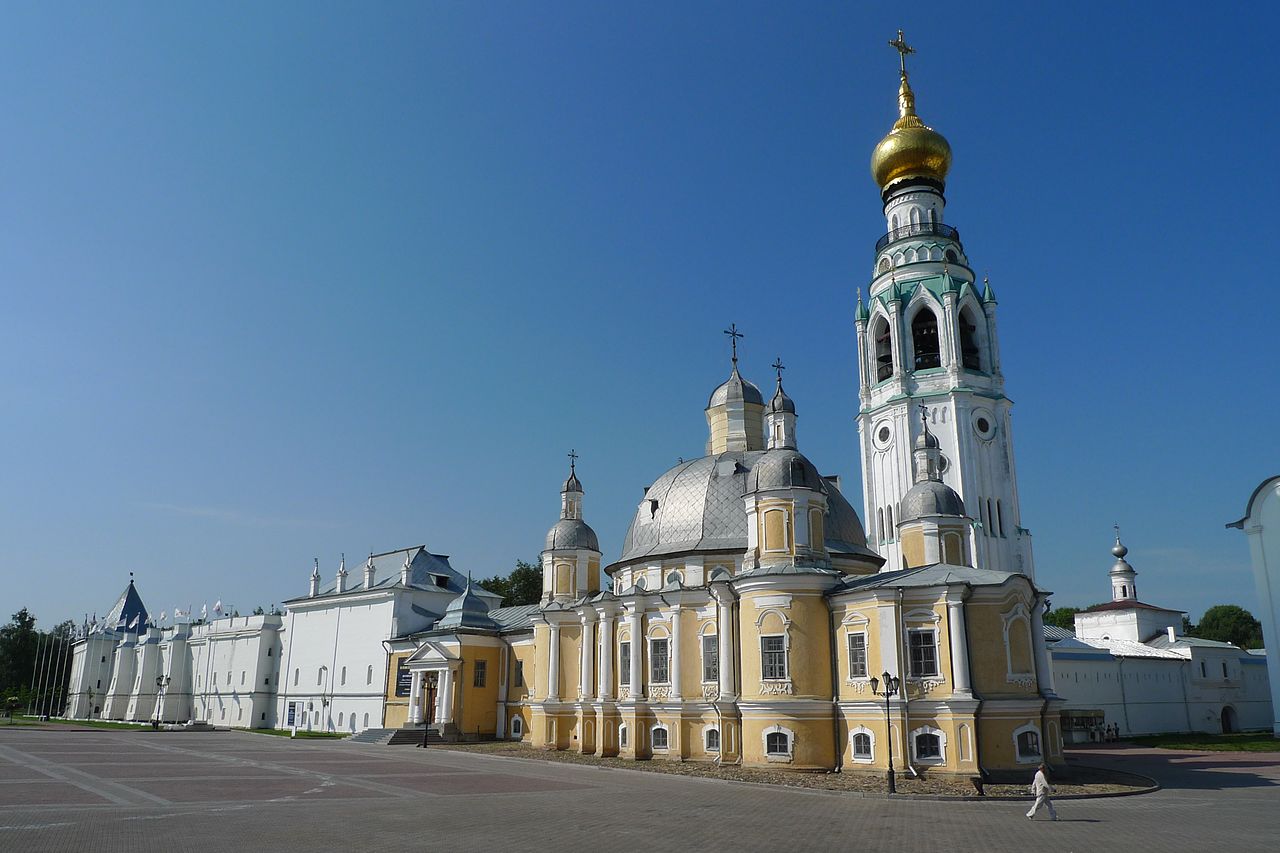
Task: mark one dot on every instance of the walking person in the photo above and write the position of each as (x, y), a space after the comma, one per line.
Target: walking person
(1041, 788)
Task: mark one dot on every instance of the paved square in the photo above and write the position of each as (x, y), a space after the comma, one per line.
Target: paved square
(124, 791)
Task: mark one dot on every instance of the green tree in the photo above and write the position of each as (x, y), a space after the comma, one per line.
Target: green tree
(1229, 623)
(1062, 617)
(522, 586)
(18, 641)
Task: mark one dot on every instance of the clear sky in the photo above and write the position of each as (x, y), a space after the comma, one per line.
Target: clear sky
(286, 280)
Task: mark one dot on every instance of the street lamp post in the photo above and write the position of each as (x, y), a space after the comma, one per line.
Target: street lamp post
(429, 707)
(891, 684)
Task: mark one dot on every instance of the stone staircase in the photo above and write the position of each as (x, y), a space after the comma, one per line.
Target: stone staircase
(410, 735)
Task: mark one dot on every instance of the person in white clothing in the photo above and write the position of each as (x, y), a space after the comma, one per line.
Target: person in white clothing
(1041, 788)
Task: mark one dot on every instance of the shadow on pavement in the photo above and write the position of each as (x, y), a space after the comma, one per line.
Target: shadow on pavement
(1186, 769)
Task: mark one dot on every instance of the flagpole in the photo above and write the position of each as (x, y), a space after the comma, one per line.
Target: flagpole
(59, 684)
(44, 675)
(35, 667)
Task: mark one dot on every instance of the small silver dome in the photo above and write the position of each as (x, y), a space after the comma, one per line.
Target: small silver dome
(736, 388)
(573, 484)
(468, 610)
(927, 441)
(783, 469)
(930, 498)
(781, 402)
(572, 533)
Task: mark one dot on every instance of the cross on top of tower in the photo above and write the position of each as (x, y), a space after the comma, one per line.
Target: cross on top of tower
(779, 367)
(573, 459)
(900, 44)
(734, 334)
(924, 416)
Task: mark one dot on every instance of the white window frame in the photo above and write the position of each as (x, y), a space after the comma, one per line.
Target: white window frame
(871, 736)
(941, 758)
(707, 732)
(764, 530)
(666, 737)
(714, 646)
(665, 657)
(786, 658)
(785, 757)
(517, 727)
(622, 736)
(866, 659)
(624, 663)
(1017, 750)
(937, 664)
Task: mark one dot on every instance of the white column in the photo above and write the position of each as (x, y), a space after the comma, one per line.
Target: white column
(673, 665)
(553, 663)
(586, 671)
(415, 698)
(606, 658)
(446, 696)
(1044, 668)
(725, 638)
(959, 649)
(637, 641)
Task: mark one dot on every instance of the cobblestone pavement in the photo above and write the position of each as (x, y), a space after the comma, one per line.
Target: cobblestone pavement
(130, 791)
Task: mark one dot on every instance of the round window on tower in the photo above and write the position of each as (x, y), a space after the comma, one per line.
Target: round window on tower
(883, 436)
(885, 264)
(984, 424)
(943, 464)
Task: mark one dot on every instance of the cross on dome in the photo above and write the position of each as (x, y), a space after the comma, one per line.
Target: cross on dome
(900, 44)
(734, 334)
(779, 367)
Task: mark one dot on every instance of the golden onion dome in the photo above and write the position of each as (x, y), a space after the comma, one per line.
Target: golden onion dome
(912, 149)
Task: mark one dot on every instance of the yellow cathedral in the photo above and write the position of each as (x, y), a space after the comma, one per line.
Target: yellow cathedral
(748, 621)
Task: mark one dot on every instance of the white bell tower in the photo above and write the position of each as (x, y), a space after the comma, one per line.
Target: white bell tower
(927, 337)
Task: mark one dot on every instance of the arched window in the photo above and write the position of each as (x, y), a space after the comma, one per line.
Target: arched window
(880, 526)
(991, 517)
(713, 740)
(970, 354)
(344, 676)
(517, 728)
(915, 216)
(339, 719)
(927, 745)
(1026, 741)
(369, 678)
(890, 529)
(659, 735)
(622, 736)
(924, 337)
(296, 673)
(893, 222)
(933, 216)
(883, 340)
(862, 746)
(1000, 517)
(366, 719)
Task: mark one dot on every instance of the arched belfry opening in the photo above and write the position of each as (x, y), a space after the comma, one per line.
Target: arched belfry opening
(884, 349)
(970, 352)
(924, 338)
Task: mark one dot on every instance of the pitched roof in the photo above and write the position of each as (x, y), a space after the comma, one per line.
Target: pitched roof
(514, 618)
(938, 574)
(127, 608)
(1053, 633)
(1128, 605)
(426, 571)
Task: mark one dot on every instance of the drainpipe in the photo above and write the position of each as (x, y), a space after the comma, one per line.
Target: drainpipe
(904, 692)
(835, 690)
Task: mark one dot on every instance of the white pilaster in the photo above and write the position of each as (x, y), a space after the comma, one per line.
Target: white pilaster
(673, 665)
(1044, 669)
(637, 650)
(959, 649)
(553, 663)
(586, 677)
(606, 658)
(725, 637)
(415, 698)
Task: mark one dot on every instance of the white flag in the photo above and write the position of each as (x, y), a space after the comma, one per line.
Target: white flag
(134, 622)
(163, 615)
(204, 611)
(217, 607)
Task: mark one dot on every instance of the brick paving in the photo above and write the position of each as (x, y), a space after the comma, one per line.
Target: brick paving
(118, 790)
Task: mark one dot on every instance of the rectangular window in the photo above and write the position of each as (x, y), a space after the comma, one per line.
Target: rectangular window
(924, 656)
(710, 658)
(519, 673)
(857, 655)
(478, 679)
(624, 664)
(773, 657)
(658, 663)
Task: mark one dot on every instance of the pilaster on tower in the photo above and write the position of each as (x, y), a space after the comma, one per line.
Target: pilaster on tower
(927, 336)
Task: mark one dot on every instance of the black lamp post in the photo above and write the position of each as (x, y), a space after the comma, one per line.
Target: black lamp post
(429, 707)
(891, 683)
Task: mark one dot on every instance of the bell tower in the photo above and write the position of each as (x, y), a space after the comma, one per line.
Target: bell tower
(927, 338)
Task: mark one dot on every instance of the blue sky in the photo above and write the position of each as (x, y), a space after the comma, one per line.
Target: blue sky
(290, 281)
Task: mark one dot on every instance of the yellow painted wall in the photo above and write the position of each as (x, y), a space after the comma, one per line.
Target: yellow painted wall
(396, 707)
(527, 655)
(479, 704)
(809, 638)
(988, 666)
(813, 746)
(913, 547)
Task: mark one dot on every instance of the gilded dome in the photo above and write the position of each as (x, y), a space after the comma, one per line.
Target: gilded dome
(912, 149)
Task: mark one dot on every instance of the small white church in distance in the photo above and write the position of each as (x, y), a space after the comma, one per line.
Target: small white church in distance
(405, 637)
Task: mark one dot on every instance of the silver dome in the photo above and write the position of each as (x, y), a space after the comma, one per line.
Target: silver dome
(736, 388)
(699, 506)
(781, 402)
(930, 498)
(572, 533)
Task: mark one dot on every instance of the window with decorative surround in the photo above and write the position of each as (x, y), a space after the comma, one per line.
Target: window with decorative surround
(481, 671)
(710, 658)
(712, 740)
(659, 663)
(862, 746)
(779, 743)
(658, 736)
(1026, 741)
(857, 655)
(773, 657)
(923, 652)
(928, 746)
(624, 664)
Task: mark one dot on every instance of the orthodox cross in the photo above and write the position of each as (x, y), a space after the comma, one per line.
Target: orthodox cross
(924, 416)
(734, 334)
(900, 44)
(573, 459)
(779, 366)
(1117, 527)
